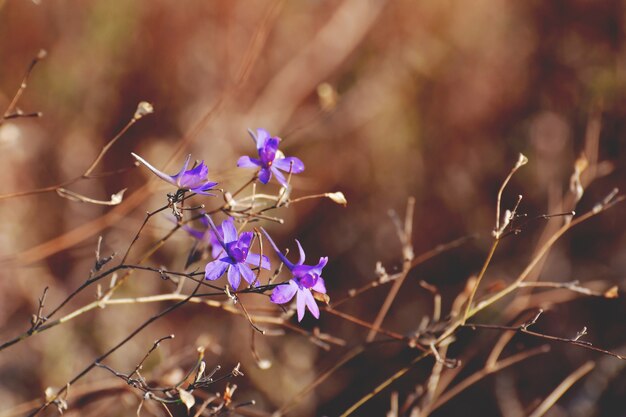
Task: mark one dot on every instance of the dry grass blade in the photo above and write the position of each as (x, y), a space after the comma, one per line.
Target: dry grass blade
(486, 371)
(383, 385)
(562, 389)
(320, 379)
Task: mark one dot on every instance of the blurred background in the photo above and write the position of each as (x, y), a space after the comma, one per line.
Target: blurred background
(382, 100)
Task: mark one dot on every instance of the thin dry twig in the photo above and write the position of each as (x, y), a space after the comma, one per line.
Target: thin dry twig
(453, 327)
(500, 228)
(523, 328)
(99, 359)
(530, 267)
(12, 112)
(384, 278)
(152, 349)
(405, 233)
(87, 173)
(486, 371)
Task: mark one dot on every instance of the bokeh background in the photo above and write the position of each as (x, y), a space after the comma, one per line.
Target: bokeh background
(431, 99)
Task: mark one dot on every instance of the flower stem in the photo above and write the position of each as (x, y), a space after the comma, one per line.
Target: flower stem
(480, 277)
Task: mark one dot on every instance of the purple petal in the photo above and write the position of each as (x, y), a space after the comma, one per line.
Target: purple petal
(234, 278)
(219, 234)
(321, 264)
(196, 234)
(302, 255)
(245, 239)
(216, 246)
(215, 269)
(229, 230)
(158, 173)
(194, 178)
(264, 175)
(290, 164)
(279, 177)
(247, 162)
(301, 302)
(247, 273)
(284, 293)
(183, 169)
(311, 304)
(319, 286)
(279, 253)
(203, 188)
(201, 192)
(261, 137)
(216, 251)
(254, 260)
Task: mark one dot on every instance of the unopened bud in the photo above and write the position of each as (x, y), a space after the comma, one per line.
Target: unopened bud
(327, 96)
(143, 109)
(338, 198)
(522, 160)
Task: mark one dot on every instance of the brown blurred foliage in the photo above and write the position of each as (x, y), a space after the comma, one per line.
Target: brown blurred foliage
(432, 99)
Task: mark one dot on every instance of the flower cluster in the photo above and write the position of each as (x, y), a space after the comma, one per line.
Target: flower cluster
(230, 249)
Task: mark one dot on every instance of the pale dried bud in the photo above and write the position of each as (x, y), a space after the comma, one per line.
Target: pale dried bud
(10, 134)
(521, 161)
(187, 398)
(327, 96)
(338, 198)
(143, 109)
(117, 197)
(612, 292)
(575, 183)
(49, 393)
(236, 371)
(201, 369)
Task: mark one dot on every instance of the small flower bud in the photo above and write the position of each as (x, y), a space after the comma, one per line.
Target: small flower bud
(338, 198)
(143, 109)
(186, 398)
(264, 364)
(327, 96)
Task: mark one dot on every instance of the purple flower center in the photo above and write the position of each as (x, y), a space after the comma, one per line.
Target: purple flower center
(308, 280)
(237, 253)
(267, 158)
(267, 152)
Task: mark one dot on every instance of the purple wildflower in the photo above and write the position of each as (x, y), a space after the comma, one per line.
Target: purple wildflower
(305, 278)
(237, 255)
(270, 160)
(194, 179)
